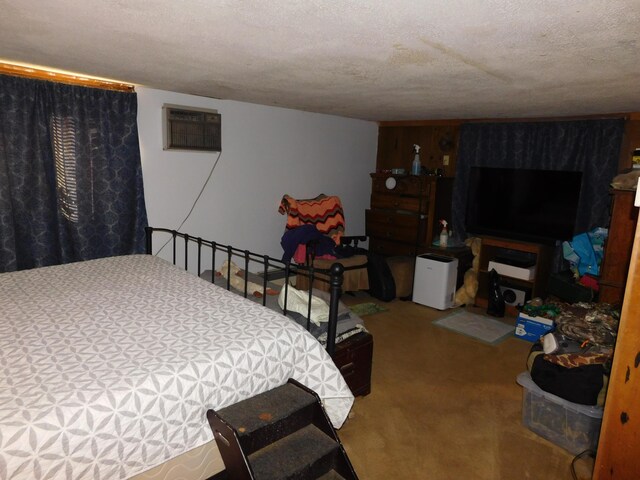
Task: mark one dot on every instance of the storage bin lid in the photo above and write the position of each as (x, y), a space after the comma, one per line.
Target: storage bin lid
(527, 382)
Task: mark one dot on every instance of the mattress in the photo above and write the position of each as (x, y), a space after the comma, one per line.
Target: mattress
(108, 366)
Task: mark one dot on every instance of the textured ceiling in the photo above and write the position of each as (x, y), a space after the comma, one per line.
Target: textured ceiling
(370, 59)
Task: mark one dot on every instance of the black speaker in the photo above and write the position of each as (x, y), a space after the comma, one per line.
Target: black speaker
(515, 295)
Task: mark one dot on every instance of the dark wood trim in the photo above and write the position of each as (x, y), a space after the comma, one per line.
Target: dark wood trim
(419, 123)
(69, 78)
(423, 123)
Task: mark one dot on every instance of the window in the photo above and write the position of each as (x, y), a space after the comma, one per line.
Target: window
(64, 150)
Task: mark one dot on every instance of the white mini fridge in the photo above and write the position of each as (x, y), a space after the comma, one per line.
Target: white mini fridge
(434, 281)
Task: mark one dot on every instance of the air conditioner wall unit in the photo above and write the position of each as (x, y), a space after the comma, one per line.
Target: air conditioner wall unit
(190, 128)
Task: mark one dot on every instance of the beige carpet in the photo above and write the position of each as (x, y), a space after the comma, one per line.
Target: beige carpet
(444, 406)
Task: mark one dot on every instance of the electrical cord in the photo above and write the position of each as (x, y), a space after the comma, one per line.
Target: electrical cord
(590, 453)
(194, 202)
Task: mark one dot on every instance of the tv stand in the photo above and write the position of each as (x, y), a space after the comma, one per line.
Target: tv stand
(493, 248)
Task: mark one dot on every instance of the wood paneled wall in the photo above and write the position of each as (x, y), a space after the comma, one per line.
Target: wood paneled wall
(438, 138)
(395, 146)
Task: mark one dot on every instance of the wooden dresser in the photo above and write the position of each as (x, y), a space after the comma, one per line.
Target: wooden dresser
(617, 251)
(405, 211)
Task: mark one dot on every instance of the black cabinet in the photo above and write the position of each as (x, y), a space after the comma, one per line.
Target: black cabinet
(354, 357)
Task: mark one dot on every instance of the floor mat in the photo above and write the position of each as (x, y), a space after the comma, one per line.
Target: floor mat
(369, 308)
(486, 329)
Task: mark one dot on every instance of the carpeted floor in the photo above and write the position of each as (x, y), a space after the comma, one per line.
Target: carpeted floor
(444, 406)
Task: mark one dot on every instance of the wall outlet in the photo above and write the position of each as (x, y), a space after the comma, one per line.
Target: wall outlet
(445, 160)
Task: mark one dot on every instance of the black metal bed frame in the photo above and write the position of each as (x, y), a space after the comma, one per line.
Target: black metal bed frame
(266, 263)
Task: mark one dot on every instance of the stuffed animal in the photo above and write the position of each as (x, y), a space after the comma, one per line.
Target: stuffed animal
(237, 280)
(466, 294)
(626, 181)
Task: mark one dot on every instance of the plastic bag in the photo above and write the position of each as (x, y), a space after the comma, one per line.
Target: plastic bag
(584, 253)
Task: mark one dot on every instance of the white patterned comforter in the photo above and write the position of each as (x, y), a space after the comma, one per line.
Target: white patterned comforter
(107, 367)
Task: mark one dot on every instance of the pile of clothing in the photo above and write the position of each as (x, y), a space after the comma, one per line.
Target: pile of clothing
(584, 254)
(574, 360)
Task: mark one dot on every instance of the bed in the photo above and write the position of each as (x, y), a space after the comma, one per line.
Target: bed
(108, 367)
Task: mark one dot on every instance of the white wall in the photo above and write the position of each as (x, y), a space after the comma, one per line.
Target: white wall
(266, 152)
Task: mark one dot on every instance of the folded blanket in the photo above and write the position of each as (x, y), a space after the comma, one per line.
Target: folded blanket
(298, 301)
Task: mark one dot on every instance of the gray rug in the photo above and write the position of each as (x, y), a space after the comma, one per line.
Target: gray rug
(480, 327)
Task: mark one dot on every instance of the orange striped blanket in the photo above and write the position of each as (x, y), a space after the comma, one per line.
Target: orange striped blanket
(324, 211)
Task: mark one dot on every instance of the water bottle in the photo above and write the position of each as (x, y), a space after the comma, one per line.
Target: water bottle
(415, 166)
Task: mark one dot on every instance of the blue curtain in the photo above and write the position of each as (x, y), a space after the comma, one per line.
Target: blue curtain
(70, 174)
(589, 146)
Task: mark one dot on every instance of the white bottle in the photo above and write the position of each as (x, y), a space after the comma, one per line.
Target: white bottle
(415, 166)
(444, 235)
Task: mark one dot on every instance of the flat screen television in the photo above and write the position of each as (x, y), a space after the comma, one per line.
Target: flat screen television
(531, 205)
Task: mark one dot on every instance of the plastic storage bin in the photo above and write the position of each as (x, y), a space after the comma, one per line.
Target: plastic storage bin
(572, 426)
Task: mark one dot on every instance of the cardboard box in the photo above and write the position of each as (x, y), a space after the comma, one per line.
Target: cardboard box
(523, 273)
(532, 328)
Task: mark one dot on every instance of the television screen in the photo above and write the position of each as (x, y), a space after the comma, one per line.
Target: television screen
(520, 204)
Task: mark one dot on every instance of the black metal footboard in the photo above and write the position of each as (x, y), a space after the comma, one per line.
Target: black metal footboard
(185, 247)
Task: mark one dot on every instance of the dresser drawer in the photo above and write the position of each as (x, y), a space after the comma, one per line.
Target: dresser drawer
(405, 185)
(395, 226)
(390, 247)
(387, 201)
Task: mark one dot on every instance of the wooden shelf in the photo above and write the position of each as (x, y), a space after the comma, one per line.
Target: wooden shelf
(617, 251)
(493, 247)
